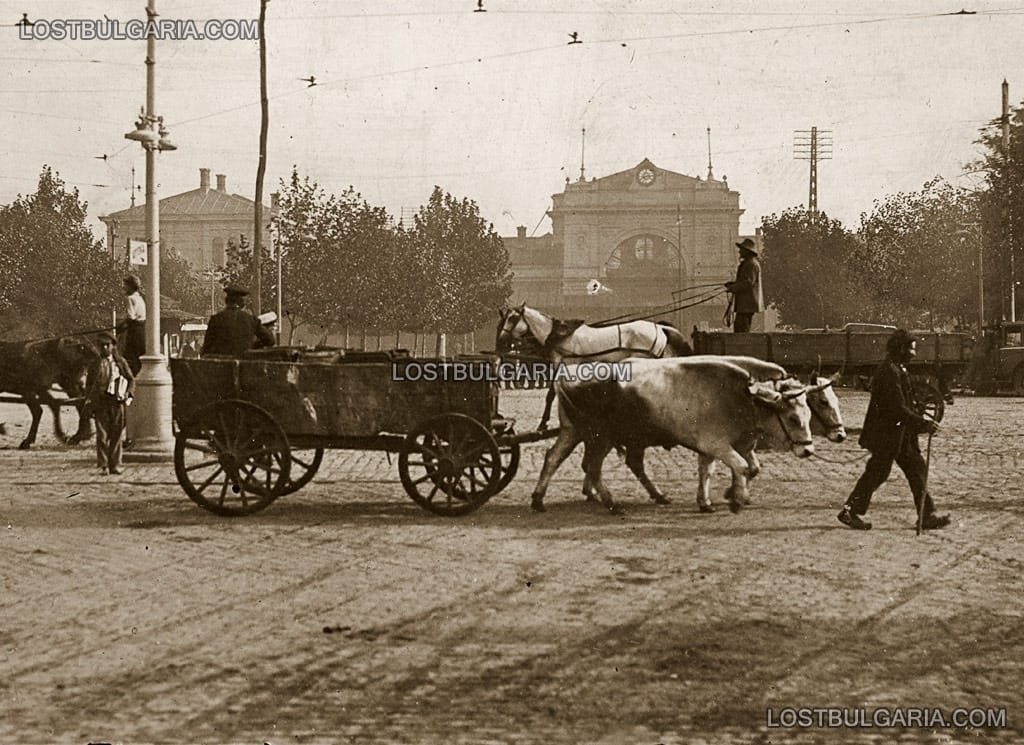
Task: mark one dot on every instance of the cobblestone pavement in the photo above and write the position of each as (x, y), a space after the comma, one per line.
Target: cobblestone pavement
(345, 614)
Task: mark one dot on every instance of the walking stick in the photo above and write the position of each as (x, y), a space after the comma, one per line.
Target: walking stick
(924, 492)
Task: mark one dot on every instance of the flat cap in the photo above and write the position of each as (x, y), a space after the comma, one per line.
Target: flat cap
(235, 291)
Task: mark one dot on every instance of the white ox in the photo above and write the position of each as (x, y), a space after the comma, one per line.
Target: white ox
(712, 407)
(826, 420)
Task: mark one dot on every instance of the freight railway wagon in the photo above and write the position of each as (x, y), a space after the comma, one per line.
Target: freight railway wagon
(856, 350)
(250, 430)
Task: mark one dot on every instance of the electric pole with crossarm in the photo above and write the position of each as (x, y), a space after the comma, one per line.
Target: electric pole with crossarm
(812, 144)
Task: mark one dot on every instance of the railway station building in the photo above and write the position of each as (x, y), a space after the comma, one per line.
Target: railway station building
(633, 242)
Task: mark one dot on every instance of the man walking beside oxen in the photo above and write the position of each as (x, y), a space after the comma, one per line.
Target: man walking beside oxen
(891, 429)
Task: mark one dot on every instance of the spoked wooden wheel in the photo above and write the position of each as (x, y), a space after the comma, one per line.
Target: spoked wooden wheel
(232, 458)
(929, 398)
(508, 453)
(450, 464)
(305, 464)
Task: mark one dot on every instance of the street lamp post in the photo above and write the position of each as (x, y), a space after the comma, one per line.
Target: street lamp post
(149, 424)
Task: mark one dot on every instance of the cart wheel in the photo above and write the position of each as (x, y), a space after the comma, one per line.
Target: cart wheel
(509, 454)
(929, 398)
(232, 458)
(450, 464)
(305, 464)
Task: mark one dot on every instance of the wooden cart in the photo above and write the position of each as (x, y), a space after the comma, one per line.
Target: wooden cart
(250, 430)
(856, 350)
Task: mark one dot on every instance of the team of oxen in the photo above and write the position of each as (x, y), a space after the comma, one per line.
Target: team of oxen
(722, 408)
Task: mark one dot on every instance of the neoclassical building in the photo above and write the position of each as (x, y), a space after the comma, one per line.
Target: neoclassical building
(197, 223)
(644, 234)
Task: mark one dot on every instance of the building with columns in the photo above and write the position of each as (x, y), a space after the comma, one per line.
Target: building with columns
(643, 234)
(197, 223)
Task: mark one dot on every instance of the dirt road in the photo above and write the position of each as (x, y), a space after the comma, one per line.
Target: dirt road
(344, 613)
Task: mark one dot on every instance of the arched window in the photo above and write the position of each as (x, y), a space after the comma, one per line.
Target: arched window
(644, 248)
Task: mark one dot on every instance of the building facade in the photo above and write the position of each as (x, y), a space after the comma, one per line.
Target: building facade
(198, 224)
(631, 243)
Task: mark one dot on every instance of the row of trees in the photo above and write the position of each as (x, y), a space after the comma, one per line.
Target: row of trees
(915, 258)
(911, 261)
(345, 263)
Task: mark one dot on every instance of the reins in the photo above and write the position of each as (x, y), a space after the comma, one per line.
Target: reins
(68, 335)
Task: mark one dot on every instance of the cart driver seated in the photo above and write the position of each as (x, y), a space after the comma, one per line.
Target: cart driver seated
(234, 330)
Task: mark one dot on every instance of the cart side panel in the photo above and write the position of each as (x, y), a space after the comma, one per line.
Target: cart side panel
(198, 383)
(798, 351)
(726, 343)
(355, 399)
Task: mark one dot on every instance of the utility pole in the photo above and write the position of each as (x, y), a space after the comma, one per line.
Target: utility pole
(261, 168)
(149, 424)
(583, 154)
(812, 144)
(1009, 222)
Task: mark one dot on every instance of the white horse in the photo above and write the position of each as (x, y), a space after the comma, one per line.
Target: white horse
(573, 341)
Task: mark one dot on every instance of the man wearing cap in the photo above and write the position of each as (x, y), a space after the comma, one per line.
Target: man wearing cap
(748, 298)
(235, 330)
(109, 388)
(134, 324)
(891, 428)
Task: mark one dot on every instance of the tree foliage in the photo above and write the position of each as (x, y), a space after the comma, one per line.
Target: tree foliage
(462, 263)
(56, 276)
(1001, 210)
(807, 269)
(915, 262)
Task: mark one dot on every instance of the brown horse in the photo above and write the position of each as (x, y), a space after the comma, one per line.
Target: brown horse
(31, 369)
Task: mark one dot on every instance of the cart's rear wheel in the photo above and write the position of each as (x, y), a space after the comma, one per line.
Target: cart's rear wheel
(450, 464)
(232, 458)
(305, 464)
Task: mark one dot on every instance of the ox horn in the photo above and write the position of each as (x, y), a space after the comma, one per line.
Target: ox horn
(795, 394)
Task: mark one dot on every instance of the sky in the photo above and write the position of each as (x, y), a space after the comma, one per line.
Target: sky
(491, 105)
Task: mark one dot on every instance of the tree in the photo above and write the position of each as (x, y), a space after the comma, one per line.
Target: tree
(807, 270)
(57, 277)
(914, 259)
(460, 263)
(180, 281)
(1001, 209)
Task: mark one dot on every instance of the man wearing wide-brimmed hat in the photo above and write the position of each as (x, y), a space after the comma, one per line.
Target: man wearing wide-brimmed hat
(748, 297)
(890, 432)
(235, 330)
(109, 387)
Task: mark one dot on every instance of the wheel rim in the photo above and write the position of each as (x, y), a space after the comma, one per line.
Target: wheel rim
(930, 399)
(450, 464)
(232, 458)
(305, 464)
(509, 455)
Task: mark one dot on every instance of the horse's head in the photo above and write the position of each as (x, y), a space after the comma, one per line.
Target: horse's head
(72, 357)
(511, 327)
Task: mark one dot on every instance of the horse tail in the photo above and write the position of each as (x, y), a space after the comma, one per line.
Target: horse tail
(676, 341)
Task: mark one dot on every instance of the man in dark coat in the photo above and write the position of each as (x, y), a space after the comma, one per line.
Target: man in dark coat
(748, 297)
(235, 330)
(891, 428)
(109, 388)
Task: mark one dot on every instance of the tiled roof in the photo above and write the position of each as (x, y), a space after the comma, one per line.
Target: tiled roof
(195, 202)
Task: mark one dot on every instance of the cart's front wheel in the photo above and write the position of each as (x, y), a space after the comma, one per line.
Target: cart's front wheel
(305, 464)
(929, 398)
(509, 454)
(232, 458)
(450, 464)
